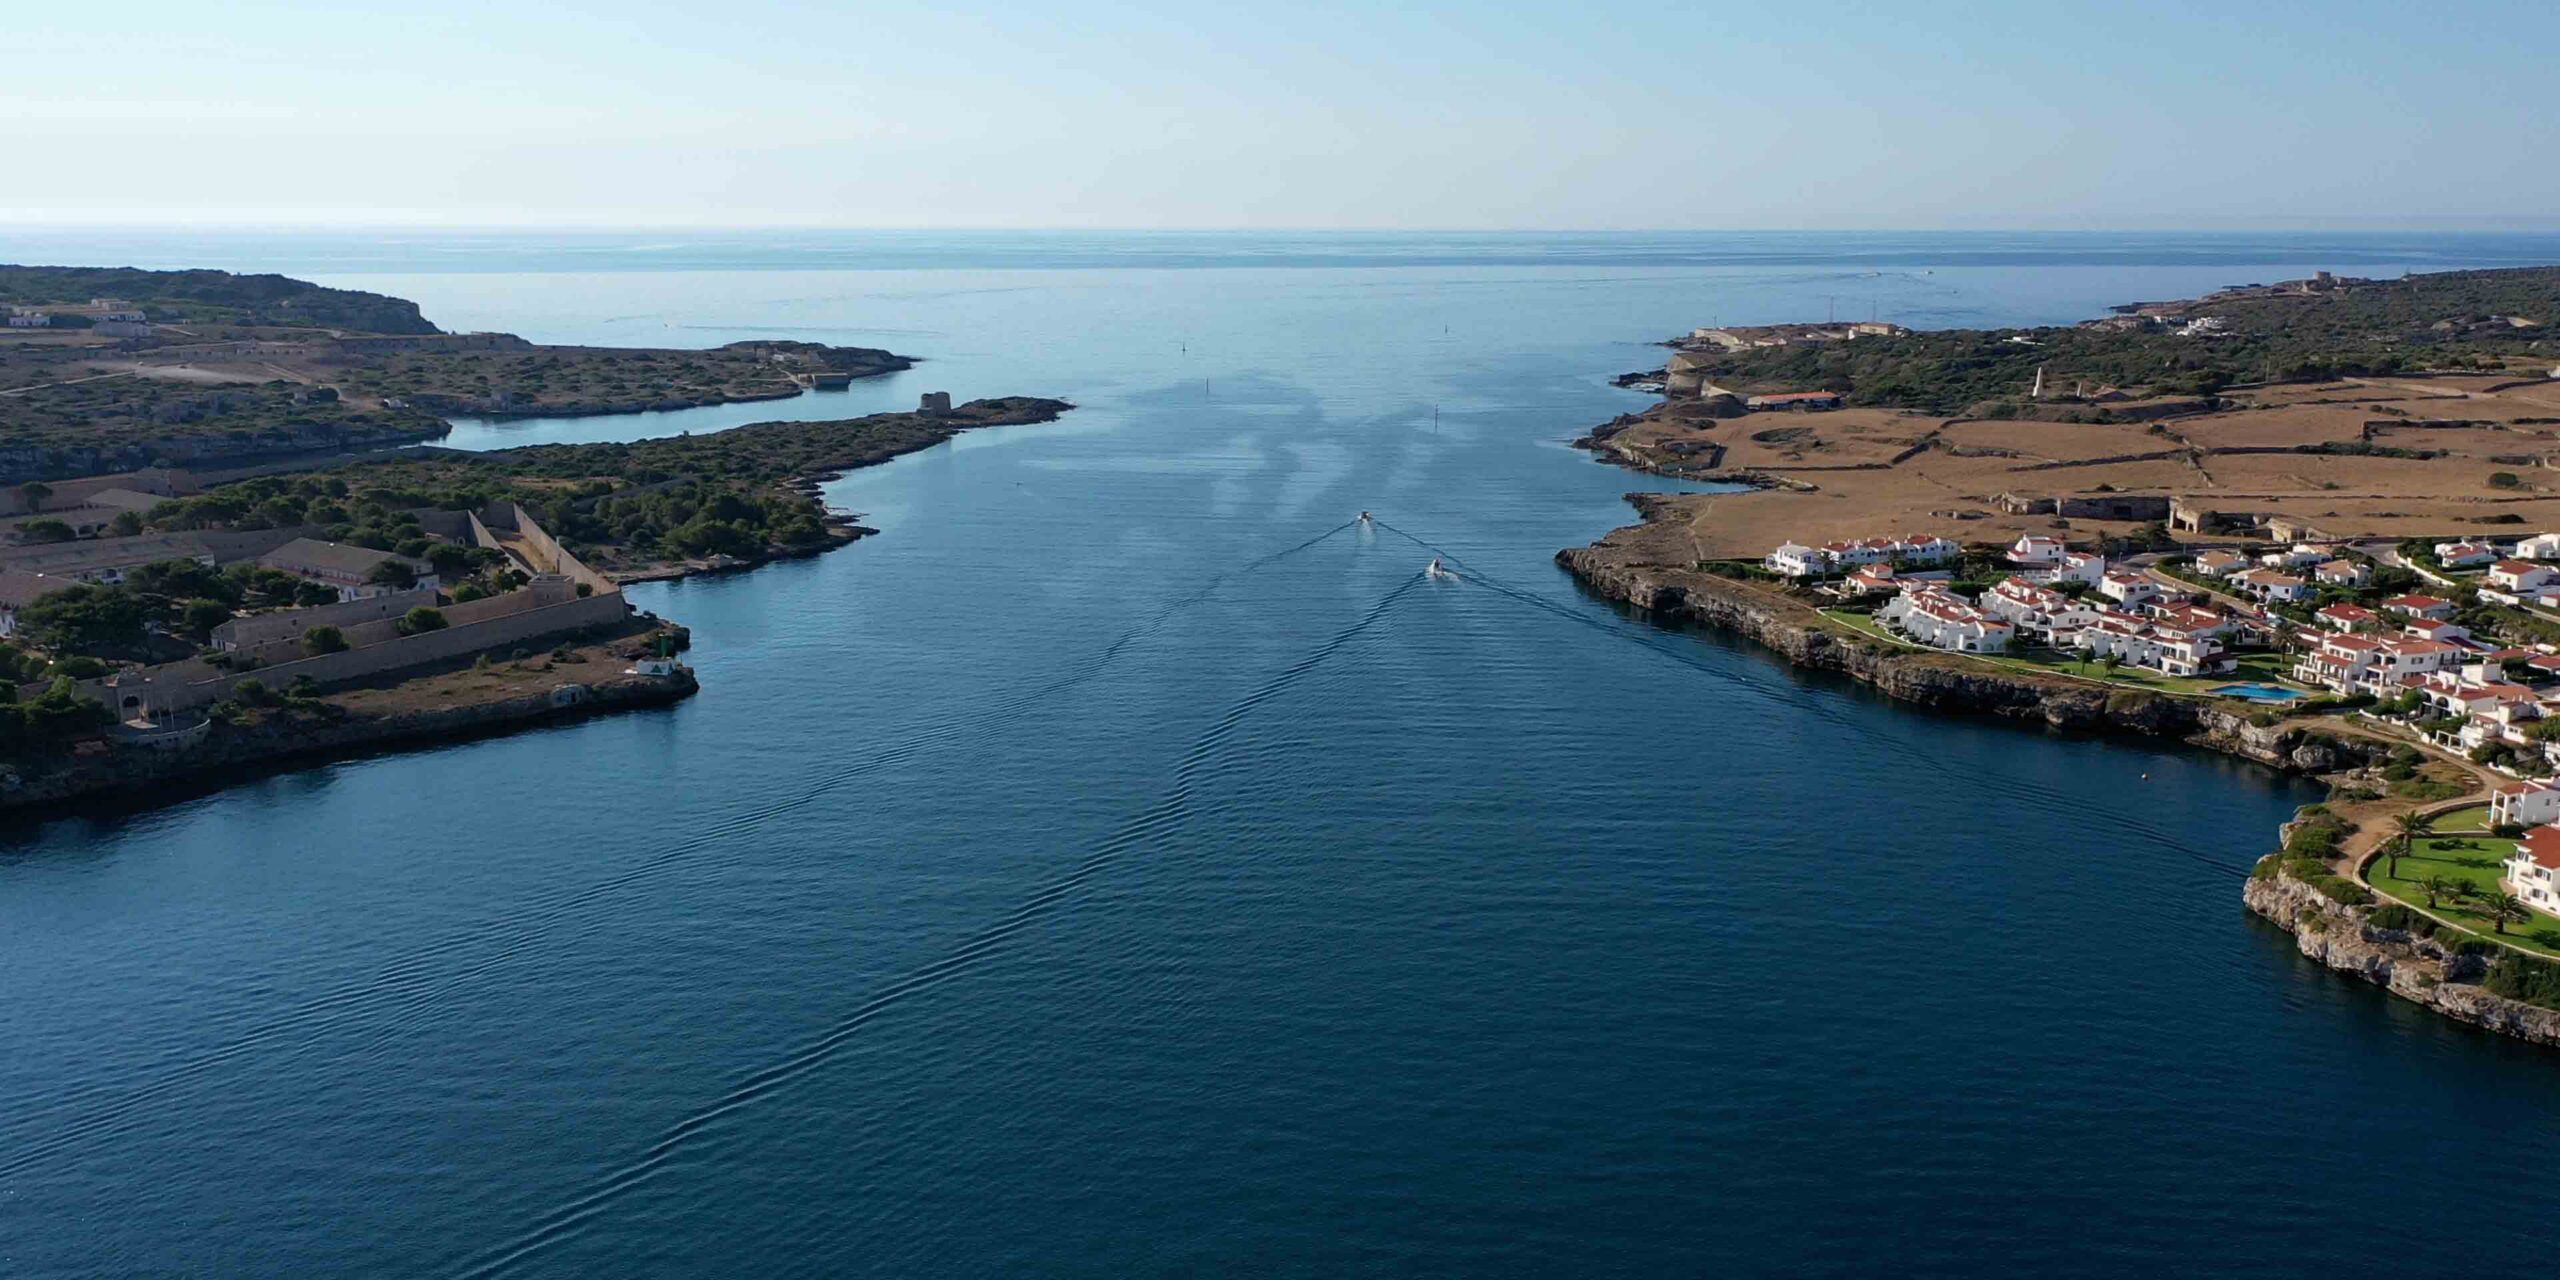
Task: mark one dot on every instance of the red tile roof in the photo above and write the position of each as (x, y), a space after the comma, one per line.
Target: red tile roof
(2542, 844)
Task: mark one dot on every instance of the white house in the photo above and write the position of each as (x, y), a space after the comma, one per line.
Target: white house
(2529, 872)
(2520, 575)
(2462, 555)
(29, 318)
(2301, 555)
(2033, 551)
(2541, 546)
(2128, 588)
(2436, 629)
(2220, 564)
(1931, 549)
(2525, 804)
(2341, 573)
(2271, 586)
(2417, 606)
(1796, 560)
(1941, 619)
(2348, 617)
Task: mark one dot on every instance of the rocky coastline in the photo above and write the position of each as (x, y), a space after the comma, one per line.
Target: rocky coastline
(227, 754)
(2418, 969)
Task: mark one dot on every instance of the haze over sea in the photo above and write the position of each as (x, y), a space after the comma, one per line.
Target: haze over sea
(1122, 866)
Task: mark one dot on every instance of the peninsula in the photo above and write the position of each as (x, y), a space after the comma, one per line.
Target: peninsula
(113, 369)
(2304, 523)
(164, 628)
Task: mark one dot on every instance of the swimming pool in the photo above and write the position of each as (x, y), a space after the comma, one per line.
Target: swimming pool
(2255, 692)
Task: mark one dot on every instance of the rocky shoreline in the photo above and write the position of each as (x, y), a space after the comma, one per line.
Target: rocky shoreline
(2421, 970)
(229, 754)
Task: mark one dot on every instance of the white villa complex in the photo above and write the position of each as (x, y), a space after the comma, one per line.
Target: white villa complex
(1797, 560)
(1942, 619)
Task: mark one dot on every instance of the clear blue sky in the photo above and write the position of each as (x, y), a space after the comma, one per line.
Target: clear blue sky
(1798, 114)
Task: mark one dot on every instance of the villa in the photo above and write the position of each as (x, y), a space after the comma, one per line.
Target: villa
(2418, 606)
(1796, 560)
(2271, 586)
(2130, 589)
(2461, 555)
(2034, 552)
(2348, 617)
(2529, 869)
(2541, 546)
(2220, 564)
(2341, 573)
(2525, 804)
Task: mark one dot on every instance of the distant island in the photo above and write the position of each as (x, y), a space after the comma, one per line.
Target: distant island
(164, 627)
(2308, 523)
(108, 369)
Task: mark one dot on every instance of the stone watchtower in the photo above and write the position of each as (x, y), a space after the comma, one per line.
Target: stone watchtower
(936, 402)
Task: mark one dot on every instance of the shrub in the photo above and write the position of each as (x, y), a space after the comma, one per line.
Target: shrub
(324, 639)
(2402, 918)
(254, 692)
(421, 620)
(2520, 977)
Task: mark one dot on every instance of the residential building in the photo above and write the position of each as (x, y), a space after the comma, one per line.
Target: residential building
(2520, 576)
(1796, 560)
(2220, 564)
(2035, 552)
(2541, 546)
(2341, 573)
(2462, 555)
(2420, 606)
(2436, 629)
(2525, 804)
(2529, 871)
(2271, 586)
(2348, 617)
(1941, 619)
(2125, 587)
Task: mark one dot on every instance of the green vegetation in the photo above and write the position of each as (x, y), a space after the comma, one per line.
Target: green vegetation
(728, 492)
(2419, 322)
(531, 379)
(214, 296)
(2460, 875)
(420, 620)
(54, 716)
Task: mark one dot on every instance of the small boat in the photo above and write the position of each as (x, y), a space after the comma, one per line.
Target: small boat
(1364, 517)
(1437, 569)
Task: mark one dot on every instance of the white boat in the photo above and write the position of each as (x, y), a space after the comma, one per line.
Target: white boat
(1438, 570)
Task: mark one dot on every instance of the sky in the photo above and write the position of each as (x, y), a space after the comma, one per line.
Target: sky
(1104, 114)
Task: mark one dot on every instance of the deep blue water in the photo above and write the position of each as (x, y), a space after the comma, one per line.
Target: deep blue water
(1120, 867)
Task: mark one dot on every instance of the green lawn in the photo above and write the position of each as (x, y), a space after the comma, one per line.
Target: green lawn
(2474, 860)
(2475, 818)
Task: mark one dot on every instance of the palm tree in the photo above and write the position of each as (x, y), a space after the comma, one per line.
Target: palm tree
(2501, 906)
(2439, 888)
(2408, 826)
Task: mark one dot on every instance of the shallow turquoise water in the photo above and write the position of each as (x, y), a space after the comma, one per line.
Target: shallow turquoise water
(1120, 866)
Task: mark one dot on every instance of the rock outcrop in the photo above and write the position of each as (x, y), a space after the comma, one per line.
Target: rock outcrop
(280, 742)
(2421, 970)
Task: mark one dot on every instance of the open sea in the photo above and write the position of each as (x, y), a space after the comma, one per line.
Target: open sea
(1123, 866)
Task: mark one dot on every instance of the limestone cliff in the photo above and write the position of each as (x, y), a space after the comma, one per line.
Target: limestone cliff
(2415, 969)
